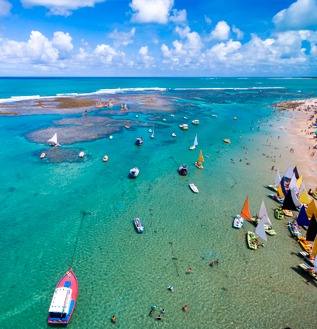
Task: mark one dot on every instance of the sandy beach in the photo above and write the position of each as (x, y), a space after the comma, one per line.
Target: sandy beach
(302, 138)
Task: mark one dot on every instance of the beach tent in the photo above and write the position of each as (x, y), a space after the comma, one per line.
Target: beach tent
(311, 209)
(302, 219)
(312, 229)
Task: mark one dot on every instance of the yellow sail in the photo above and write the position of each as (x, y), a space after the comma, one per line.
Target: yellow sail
(314, 249)
(299, 181)
(200, 157)
(311, 209)
(304, 198)
(279, 191)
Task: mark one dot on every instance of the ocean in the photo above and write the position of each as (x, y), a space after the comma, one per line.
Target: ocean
(79, 212)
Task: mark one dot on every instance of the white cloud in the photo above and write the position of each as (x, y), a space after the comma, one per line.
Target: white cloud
(5, 8)
(238, 32)
(105, 53)
(145, 57)
(208, 20)
(178, 16)
(122, 38)
(61, 7)
(151, 11)
(302, 14)
(63, 42)
(222, 50)
(221, 31)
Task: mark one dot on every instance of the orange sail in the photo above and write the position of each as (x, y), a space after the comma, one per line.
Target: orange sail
(245, 212)
(314, 250)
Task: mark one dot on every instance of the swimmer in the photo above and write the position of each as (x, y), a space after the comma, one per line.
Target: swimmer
(113, 319)
(185, 308)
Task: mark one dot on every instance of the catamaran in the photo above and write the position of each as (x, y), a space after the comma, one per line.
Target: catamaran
(64, 299)
(195, 143)
(53, 141)
(200, 160)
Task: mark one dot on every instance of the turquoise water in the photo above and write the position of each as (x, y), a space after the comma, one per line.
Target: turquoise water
(47, 207)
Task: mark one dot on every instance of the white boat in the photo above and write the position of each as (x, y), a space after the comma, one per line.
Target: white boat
(194, 188)
(43, 155)
(238, 221)
(150, 130)
(53, 141)
(195, 122)
(152, 136)
(173, 134)
(184, 126)
(105, 158)
(195, 143)
(134, 172)
(81, 154)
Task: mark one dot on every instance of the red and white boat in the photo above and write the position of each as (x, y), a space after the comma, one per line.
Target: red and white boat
(64, 299)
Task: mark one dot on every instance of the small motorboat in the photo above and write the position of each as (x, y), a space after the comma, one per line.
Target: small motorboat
(183, 169)
(138, 225)
(64, 299)
(43, 155)
(195, 122)
(134, 172)
(173, 135)
(105, 158)
(127, 127)
(81, 154)
(238, 221)
(184, 126)
(226, 140)
(194, 188)
(110, 137)
(139, 141)
(294, 229)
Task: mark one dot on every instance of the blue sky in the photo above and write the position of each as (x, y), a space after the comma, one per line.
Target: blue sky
(158, 38)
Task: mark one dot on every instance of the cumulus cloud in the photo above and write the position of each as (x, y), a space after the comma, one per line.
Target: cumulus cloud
(221, 31)
(122, 38)
(208, 20)
(5, 8)
(178, 16)
(63, 42)
(60, 7)
(145, 57)
(302, 14)
(238, 32)
(151, 11)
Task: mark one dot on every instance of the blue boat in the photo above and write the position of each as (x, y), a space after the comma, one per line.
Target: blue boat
(139, 141)
(138, 225)
(183, 169)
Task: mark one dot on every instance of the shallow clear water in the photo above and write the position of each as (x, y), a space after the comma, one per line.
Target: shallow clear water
(80, 213)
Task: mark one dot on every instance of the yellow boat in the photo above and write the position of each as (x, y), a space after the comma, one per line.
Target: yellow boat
(226, 140)
(200, 160)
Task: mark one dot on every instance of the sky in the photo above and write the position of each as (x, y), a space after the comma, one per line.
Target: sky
(147, 38)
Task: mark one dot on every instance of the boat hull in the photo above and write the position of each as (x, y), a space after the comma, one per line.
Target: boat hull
(68, 280)
(252, 240)
(238, 222)
(138, 225)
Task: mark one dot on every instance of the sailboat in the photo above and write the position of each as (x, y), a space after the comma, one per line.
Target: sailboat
(245, 214)
(200, 160)
(267, 223)
(195, 143)
(152, 136)
(53, 141)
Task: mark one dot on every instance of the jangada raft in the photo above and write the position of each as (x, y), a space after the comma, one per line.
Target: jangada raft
(64, 299)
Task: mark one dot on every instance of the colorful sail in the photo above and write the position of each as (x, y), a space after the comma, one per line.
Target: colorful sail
(299, 181)
(302, 219)
(311, 209)
(289, 172)
(245, 212)
(277, 179)
(312, 229)
(280, 192)
(263, 213)
(314, 249)
(260, 230)
(304, 198)
(200, 157)
(288, 202)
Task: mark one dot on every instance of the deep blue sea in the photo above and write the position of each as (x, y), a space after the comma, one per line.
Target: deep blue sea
(79, 213)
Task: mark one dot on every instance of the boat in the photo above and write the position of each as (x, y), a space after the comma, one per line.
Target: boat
(294, 229)
(183, 170)
(152, 136)
(310, 270)
(278, 213)
(127, 127)
(307, 256)
(81, 154)
(306, 245)
(173, 135)
(195, 122)
(245, 211)
(64, 299)
(134, 172)
(276, 198)
(110, 137)
(287, 213)
(139, 141)
(43, 155)
(150, 130)
(195, 143)
(313, 193)
(53, 141)
(200, 160)
(194, 188)
(252, 240)
(264, 216)
(105, 158)
(226, 140)
(184, 126)
(138, 225)
(277, 181)
(238, 221)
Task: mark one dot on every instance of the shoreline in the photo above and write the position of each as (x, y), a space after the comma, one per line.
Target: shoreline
(302, 138)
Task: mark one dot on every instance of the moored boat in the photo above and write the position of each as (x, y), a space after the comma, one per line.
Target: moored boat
(105, 158)
(64, 299)
(238, 221)
(195, 143)
(200, 160)
(287, 212)
(53, 141)
(278, 213)
(276, 198)
(43, 155)
(81, 154)
(195, 122)
(194, 188)
(252, 240)
(139, 141)
(226, 140)
(173, 135)
(310, 270)
(138, 225)
(183, 170)
(294, 229)
(184, 126)
(134, 172)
